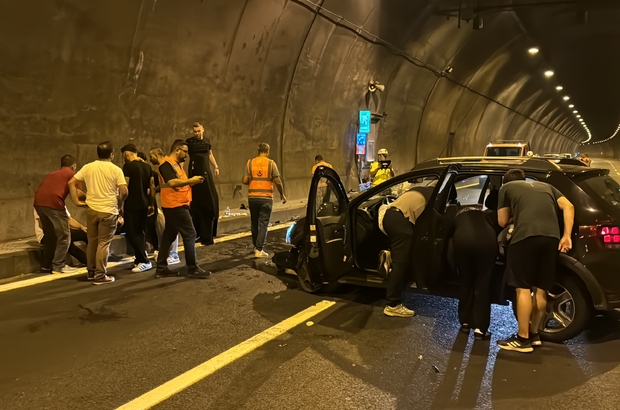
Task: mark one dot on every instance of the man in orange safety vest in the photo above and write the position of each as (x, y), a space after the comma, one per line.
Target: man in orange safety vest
(261, 174)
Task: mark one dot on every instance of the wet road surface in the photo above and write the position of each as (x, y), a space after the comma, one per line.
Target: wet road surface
(70, 345)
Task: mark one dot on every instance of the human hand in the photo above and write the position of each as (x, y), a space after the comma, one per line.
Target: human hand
(121, 220)
(566, 244)
(151, 211)
(81, 204)
(283, 198)
(83, 228)
(197, 180)
(217, 172)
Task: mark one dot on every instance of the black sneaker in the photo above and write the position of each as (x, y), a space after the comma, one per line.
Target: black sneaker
(535, 339)
(465, 328)
(45, 270)
(90, 275)
(515, 343)
(198, 273)
(102, 281)
(480, 335)
(165, 273)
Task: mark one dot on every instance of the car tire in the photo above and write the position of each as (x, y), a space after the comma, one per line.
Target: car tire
(559, 304)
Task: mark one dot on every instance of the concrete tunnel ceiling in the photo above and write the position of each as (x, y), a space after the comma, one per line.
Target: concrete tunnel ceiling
(293, 73)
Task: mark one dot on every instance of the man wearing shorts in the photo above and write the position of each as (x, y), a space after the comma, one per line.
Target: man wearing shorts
(533, 251)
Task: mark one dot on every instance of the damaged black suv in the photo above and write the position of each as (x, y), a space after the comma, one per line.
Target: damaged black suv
(339, 239)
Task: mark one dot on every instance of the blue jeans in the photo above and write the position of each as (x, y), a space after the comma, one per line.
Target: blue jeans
(260, 214)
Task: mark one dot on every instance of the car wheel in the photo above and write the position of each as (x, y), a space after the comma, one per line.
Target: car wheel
(568, 310)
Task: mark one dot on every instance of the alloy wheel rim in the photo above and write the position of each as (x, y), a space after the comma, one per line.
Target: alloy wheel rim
(560, 310)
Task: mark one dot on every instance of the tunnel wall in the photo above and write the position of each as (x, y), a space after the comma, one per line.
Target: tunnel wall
(74, 73)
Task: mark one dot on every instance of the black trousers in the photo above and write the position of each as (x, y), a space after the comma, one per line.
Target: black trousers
(205, 222)
(77, 235)
(178, 220)
(260, 215)
(475, 252)
(400, 232)
(151, 230)
(135, 232)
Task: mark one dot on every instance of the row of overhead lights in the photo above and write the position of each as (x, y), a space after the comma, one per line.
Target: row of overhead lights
(607, 139)
(549, 74)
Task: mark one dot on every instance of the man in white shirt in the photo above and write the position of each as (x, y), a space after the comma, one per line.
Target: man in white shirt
(106, 193)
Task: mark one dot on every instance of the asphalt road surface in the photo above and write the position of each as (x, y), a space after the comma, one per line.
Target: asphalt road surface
(70, 345)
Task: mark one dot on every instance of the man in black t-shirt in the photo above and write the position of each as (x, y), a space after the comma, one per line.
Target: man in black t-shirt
(533, 251)
(140, 204)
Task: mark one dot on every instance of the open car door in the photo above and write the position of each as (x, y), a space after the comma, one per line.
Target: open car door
(323, 259)
(430, 236)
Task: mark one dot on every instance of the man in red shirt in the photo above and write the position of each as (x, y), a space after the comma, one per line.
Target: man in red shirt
(49, 202)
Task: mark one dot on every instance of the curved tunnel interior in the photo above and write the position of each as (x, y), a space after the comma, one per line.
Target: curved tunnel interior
(295, 73)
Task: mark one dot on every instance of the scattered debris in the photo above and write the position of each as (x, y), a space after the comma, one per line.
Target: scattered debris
(353, 364)
(278, 297)
(420, 357)
(436, 369)
(282, 345)
(309, 323)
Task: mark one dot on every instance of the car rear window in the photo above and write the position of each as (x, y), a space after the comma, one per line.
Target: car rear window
(603, 187)
(503, 152)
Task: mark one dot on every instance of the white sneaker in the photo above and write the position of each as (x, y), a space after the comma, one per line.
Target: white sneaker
(142, 267)
(260, 254)
(66, 269)
(173, 259)
(398, 311)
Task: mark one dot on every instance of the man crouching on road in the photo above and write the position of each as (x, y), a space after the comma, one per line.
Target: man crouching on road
(533, 251)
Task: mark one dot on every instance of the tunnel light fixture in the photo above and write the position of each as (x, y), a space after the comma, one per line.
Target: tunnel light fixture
(578, 116)
(575, 112)
(549, 73)
(566, 98)
(559, 88)
(571, 106)
(533, 50)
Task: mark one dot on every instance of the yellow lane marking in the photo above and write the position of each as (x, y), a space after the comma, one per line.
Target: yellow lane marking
(185, 380)
(50, 278)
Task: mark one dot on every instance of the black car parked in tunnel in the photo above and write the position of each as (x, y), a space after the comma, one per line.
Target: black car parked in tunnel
(339, 240)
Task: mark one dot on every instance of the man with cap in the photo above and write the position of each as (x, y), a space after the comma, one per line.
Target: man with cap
(381, 170)
(140, 204)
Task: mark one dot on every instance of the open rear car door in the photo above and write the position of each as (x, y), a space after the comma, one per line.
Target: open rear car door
(322, 259)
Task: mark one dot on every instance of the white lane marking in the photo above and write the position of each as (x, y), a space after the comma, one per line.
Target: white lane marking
(613, 166)
(183, 381)
(52, 277)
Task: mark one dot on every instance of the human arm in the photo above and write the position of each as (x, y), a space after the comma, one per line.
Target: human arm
(170, 177)
(246, 177)
(568, 210)
(503, 217)
(214, 163)
(278, 182)
(275, 175)
(374, 167)
(76, 225)
(152, 193)
(73, 190)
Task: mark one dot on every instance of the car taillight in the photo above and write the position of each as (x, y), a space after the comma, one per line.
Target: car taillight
(610, 234)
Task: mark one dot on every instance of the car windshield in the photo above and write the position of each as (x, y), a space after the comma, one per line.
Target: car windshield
(603, 187)
(503, 152)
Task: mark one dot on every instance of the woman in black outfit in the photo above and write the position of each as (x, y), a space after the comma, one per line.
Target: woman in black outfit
(205, 206)
(475, 253)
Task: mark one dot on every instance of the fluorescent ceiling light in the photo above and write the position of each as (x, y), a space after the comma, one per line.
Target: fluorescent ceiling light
(533, 50)
(549, 73)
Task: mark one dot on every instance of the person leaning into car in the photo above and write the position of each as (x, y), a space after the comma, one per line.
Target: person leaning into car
(533, 250)
(397, 221)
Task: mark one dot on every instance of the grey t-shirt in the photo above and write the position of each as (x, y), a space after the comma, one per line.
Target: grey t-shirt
(534, 207)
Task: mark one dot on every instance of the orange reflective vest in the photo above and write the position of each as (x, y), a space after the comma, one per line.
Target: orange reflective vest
(174, 197)
(260, 170)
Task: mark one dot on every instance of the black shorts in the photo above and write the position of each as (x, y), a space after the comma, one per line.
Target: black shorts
(531, 263)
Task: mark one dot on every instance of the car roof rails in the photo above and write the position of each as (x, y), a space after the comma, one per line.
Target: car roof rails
(511, 142)
(535, 163)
